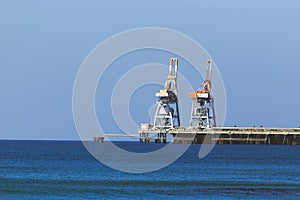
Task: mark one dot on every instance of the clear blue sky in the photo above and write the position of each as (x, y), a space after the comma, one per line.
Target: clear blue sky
(255, 44)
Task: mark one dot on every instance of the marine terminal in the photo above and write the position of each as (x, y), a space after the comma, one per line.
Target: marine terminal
(202, 127)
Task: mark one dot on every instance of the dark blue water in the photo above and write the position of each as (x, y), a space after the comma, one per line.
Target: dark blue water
(65, 170)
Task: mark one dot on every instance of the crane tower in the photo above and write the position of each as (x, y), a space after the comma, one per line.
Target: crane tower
(203, 112)
(167, 112)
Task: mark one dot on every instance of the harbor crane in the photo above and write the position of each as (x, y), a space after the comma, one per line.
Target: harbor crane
(203, 111)
(166, 117)
(167, 112)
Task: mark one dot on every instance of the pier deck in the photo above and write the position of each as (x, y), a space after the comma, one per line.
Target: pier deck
(228, 135)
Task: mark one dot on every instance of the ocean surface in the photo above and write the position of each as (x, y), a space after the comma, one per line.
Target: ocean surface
(66, 170)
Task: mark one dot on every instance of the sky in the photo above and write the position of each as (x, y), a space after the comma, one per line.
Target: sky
(255, 45)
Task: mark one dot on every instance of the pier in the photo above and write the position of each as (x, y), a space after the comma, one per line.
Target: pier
(202, 128)
(228, 135)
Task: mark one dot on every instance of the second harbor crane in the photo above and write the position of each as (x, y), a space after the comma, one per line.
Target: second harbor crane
(203, 111)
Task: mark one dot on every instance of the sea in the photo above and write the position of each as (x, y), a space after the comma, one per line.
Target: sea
(66, 170)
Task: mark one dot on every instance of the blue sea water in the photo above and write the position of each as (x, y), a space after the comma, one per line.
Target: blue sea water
(65, 170)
